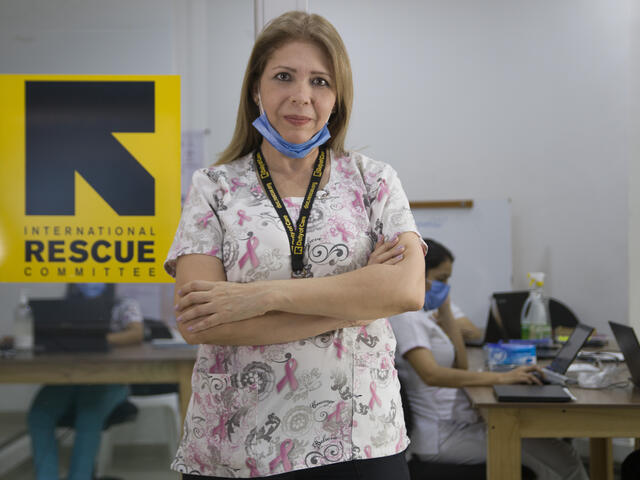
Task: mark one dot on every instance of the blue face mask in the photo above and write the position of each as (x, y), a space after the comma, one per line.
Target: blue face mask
(291, 150)
(436, 295)
(91, 290)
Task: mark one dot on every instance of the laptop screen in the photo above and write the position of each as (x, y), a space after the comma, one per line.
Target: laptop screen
(70, 325)
(628, 343)
(570, 349)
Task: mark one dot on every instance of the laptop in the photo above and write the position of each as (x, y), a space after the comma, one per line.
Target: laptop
(71, 325)
(628, 343)
(554, 374)
(532, 393)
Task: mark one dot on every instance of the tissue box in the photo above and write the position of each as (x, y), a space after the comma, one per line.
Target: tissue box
(505, 356)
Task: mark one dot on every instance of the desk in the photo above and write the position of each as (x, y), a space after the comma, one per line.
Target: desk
(597, 414)
(131, 364)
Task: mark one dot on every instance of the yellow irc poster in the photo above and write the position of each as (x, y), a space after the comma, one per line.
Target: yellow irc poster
(90, 177)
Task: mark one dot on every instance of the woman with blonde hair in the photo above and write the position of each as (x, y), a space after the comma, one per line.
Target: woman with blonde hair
(294, 375)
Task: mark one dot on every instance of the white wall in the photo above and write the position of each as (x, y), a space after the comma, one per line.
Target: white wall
(504, 98)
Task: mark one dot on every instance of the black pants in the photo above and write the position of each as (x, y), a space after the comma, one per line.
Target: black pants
(383, 468)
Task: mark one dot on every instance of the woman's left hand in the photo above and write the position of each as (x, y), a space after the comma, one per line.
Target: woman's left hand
(386, 253)
(204, 304)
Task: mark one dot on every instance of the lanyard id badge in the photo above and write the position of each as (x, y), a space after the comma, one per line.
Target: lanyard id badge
(298, 233)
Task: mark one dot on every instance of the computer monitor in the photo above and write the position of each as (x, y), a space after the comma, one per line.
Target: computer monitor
(628, 343)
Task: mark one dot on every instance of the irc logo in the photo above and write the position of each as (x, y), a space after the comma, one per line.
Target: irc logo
(89, 177)
(69, 129)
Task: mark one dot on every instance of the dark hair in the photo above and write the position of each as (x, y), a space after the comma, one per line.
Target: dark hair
(436, 254)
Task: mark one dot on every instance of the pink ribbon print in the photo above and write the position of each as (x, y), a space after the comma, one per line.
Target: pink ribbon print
(289, 376)
(253, 467)
(339, 228)
(339, 346)
(218, 367)
(384, 189)
(202, 464)
(252, 244)
(236, 184)
(384, 364)
(336, 413)
(289, 203)
(367, 451)
(363, 332)
(341, 168)
(374, 396)
(358, 202)
(285, 448)
(243, 217)
(205, 220)
(220, 430)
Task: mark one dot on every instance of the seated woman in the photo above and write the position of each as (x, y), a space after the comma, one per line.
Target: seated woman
(92, 404)
(439, 265)
(432, 365)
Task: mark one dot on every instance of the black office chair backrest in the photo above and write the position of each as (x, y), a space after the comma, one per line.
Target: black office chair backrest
(561, 315)
(122, 413)
(155, 329)
(408, 417)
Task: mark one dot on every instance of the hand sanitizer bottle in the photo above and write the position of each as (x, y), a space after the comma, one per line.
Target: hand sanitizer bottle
(534, 319)
(23, 324)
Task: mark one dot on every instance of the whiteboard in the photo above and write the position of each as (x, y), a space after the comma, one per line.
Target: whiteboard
(480, 240)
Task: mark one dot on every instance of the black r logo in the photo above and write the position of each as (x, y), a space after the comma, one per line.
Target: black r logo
(69, 129)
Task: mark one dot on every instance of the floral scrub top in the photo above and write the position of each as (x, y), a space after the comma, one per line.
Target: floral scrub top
(270, 409)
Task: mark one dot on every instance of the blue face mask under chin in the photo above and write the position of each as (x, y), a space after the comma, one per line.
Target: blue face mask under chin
(291, 150)
(436, 295)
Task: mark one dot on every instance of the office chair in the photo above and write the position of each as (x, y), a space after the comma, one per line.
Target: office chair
(561, 315)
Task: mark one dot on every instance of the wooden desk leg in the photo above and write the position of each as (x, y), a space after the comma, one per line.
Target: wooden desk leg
(601, 459)
(503, 445)
(184, 387)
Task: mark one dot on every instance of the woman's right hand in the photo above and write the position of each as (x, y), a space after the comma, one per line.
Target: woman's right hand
(522, 375)
(386, 253)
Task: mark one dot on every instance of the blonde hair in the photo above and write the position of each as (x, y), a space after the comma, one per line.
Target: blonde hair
(289, 27)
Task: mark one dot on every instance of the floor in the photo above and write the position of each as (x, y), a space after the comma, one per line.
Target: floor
(148, 462)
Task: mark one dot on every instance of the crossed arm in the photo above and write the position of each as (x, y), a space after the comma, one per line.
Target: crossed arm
(213, 310)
